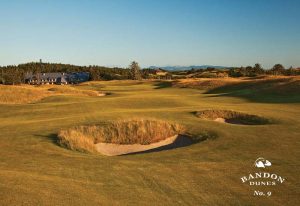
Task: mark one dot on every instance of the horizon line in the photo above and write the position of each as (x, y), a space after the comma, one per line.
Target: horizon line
(144, 67)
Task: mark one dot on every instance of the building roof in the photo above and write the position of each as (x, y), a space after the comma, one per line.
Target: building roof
(47, 75)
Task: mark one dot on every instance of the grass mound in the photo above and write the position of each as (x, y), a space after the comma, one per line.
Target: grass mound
(232, 117)
(84, 138)
(73, 91)
(282, 86)
(264, 85)
(21, 94)
(205, 83)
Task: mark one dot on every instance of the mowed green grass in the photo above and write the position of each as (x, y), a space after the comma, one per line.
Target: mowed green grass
(34, 170)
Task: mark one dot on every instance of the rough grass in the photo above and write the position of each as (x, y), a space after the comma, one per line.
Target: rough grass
(232, 117)
(23, 94)
(137, 131)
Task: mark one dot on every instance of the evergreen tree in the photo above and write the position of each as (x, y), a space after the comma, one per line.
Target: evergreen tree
(135, 71)
(258, 69)
(278, 69)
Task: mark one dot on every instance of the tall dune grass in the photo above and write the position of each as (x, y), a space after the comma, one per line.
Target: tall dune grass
(137, 131)
(21, 94)
(75, 140)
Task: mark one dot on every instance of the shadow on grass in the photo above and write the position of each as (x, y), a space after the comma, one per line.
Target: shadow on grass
(52, 137)
(263, 91)
(163, 85)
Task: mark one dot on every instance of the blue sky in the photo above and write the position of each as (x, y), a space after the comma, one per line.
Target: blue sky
(152, 32)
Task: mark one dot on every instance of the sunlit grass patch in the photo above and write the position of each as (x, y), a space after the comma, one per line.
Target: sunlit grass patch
(205, 83)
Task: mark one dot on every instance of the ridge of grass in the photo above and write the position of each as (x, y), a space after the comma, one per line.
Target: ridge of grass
(23, 94)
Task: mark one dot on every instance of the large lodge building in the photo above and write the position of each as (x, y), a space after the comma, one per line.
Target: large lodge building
(57, 78)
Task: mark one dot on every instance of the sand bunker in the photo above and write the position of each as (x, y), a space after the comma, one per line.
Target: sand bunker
(101, 94)
(220, 120)
(121, 137)
(119, 149)
(232, 117)
(169, 143)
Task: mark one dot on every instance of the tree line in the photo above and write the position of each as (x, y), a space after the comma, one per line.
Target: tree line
(249, 71)
(15, 74)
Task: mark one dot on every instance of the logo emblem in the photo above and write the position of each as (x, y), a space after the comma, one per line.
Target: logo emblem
(262, 163)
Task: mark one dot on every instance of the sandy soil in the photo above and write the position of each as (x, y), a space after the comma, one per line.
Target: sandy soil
(222, 120)
(109, 149)
(100, 94)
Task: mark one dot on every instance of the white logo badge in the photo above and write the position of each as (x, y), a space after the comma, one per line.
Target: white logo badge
(258, 178)
(262, 163)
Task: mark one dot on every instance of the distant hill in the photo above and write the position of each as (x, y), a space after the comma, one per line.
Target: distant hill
(181, 68)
